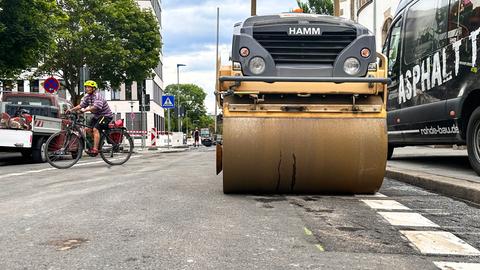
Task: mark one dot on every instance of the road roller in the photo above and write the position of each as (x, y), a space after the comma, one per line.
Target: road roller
(304, 107)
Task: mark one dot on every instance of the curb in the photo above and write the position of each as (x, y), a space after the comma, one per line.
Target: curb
(160, 151)
(453, 187)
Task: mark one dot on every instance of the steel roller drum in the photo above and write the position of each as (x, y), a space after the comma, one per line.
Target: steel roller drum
(304, 155)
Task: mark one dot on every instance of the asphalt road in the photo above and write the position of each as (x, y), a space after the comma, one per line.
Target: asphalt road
(167, 211)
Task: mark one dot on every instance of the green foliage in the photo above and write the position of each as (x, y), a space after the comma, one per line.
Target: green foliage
(192, 98)
(317, 6)
(26, 34)
(117, 40)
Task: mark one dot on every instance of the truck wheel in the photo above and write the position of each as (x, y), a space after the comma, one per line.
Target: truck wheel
(390, 152)
(473, 140)
(38, 152)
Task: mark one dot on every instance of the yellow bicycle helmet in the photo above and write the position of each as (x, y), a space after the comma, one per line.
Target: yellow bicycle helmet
(91, 83)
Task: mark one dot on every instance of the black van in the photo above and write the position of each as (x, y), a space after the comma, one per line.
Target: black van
(434, 97)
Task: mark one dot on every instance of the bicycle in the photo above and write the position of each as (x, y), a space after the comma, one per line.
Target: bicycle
(65, 148)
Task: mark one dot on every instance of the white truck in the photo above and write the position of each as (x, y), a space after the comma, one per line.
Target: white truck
(45, 111)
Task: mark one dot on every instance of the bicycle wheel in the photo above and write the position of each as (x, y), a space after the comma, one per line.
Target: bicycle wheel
(63, 149)
(116, 147)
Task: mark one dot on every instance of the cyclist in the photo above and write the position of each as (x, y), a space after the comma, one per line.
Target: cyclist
(94, 102)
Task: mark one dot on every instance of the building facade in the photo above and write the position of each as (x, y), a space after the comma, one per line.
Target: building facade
(362, 11)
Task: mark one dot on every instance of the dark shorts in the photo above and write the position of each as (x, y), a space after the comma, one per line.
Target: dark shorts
(100, 123)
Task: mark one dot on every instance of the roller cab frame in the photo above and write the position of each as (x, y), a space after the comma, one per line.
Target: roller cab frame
(303, 106)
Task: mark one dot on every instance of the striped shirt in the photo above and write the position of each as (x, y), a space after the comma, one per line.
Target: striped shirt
(98, 101)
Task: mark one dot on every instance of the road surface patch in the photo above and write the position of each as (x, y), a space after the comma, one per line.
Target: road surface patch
(407, 219)
(385, 205)
(439, 243)
(457, 266)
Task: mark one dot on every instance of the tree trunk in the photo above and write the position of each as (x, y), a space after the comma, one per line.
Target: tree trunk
(336, 8)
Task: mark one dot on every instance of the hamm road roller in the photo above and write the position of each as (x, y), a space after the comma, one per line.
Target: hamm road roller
(304, 107)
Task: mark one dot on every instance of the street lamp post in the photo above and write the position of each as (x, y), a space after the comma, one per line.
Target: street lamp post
(131, 114)
(178, 91)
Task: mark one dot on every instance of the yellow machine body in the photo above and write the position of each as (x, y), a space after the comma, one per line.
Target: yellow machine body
(303, 137)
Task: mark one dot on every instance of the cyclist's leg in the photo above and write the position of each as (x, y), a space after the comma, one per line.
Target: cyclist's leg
(96, 138)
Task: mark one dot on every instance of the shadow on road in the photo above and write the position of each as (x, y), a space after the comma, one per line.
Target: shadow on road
(453, 162)
(9, 159)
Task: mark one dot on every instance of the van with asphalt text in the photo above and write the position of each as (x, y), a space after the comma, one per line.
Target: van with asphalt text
(433, 55)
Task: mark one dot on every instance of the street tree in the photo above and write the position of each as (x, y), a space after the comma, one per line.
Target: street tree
(191, 97)
(325, 7)
(26, 34)
(116, 40)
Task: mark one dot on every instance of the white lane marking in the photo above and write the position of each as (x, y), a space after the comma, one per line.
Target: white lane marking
(407, 219)
(457, 266)
(385, 204)
(50, 169)
(376, 195)
(443, 243)
(25, 173)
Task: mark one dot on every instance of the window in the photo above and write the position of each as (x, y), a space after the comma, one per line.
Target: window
(34, 86)
(7, 85)
(128, 91)
(115, 94)
(465, 17)
(425, 28)
(64, 106)
(28, 101)
(159, 70)
(157, 93)
(394, 44)
(20, 86)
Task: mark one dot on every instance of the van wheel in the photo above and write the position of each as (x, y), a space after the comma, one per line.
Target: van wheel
(390, 152)
(38, 152)
(473, 140)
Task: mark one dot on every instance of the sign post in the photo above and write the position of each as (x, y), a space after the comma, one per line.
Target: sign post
(168, 102)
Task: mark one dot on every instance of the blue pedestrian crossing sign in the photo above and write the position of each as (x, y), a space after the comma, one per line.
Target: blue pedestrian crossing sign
(168, 102)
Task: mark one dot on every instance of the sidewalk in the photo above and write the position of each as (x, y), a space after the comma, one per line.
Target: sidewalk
(443, 170)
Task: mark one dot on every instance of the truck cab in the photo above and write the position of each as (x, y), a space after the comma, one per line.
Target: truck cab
(44, 112)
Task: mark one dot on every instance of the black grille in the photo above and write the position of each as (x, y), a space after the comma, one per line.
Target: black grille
(322, 49)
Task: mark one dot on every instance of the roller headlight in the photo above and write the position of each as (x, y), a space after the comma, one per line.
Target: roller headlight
(351, 66)
(257, 65)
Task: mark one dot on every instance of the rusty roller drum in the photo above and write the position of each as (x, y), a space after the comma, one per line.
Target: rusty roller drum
(303, 155)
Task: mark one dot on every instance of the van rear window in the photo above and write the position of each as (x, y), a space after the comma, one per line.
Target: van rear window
(28, 101)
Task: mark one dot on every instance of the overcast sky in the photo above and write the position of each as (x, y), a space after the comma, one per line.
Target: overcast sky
(189, 36)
